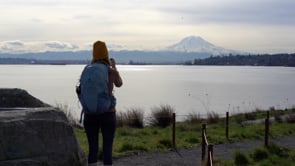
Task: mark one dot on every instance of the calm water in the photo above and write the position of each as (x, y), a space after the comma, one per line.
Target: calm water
(186, 88)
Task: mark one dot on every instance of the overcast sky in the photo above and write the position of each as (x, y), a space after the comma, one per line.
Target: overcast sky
(260, 26)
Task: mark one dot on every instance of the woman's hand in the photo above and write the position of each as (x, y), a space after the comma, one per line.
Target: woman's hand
(113, 63)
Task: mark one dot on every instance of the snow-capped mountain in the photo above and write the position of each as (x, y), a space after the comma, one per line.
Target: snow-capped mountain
(198, 44)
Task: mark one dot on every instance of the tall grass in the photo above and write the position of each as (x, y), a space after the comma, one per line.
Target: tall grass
(194, 117)
(68, 112)
(133, 117)
(161, 116)
(212, 117)
(278, 117)
(290, 118)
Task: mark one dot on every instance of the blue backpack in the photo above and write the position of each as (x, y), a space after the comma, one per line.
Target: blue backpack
(93, 92)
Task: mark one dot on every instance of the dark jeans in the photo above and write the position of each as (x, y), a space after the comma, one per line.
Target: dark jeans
(92, 124)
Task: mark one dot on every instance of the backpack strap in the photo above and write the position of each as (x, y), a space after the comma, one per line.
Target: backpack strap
(81, 116)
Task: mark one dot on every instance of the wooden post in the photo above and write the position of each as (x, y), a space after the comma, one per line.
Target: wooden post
(203, 141)
(210, 150)
(226, 126)
(266, 132)
(173, 129)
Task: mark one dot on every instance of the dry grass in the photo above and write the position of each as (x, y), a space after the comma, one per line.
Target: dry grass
(68, 112)
(161, 116)
(290, 118)
(212, 117)
(194, 117)
(133, 117)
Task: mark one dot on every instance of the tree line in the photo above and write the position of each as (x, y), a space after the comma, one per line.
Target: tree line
(248, 60)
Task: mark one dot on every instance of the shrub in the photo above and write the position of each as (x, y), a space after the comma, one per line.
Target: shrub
(239, 118)
(292, 156)
(194, 118)
(260, 154)
(166, 143)
(277, 150)
(250, 116)
(272, 109)
(133, 117)
(290, 118)
(212, 117)
(241, 159)
(120, 119)
(161, 116)
(277, 116)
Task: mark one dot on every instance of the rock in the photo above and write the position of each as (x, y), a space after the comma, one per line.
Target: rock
(38, 137)
(19, 98)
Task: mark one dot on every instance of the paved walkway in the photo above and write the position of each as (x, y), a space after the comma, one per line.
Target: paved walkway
(190, 157)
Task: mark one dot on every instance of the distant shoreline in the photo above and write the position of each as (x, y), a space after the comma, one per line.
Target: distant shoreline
(228, 60)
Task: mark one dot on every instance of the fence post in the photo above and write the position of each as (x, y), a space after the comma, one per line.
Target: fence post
(203, 141)
(266, 130)
(173, 128)
(210, 150)
(226, 126)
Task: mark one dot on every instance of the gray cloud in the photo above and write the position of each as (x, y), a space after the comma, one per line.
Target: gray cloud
(60, 45)
(23, 47)
(247, 12)
(14, 43)
(145, 23)
(117, 47)
(33, 3)
(10, 46)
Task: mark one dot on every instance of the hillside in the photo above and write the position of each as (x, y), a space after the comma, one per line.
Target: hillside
(189, 48)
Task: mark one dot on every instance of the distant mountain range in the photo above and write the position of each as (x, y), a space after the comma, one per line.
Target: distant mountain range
(188, 49)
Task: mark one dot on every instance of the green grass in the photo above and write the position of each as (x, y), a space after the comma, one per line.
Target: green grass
(261, 156)
(188, 134)
(241, 159)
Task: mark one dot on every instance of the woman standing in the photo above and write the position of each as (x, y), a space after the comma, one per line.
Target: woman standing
(106, 122)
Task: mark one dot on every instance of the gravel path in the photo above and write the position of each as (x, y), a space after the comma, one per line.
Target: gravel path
(193, 156)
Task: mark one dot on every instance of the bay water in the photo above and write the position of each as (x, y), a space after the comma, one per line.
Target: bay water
(188, 89)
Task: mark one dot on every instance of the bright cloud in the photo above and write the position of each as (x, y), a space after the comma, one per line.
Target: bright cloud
(39, 46)
(247, 25)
